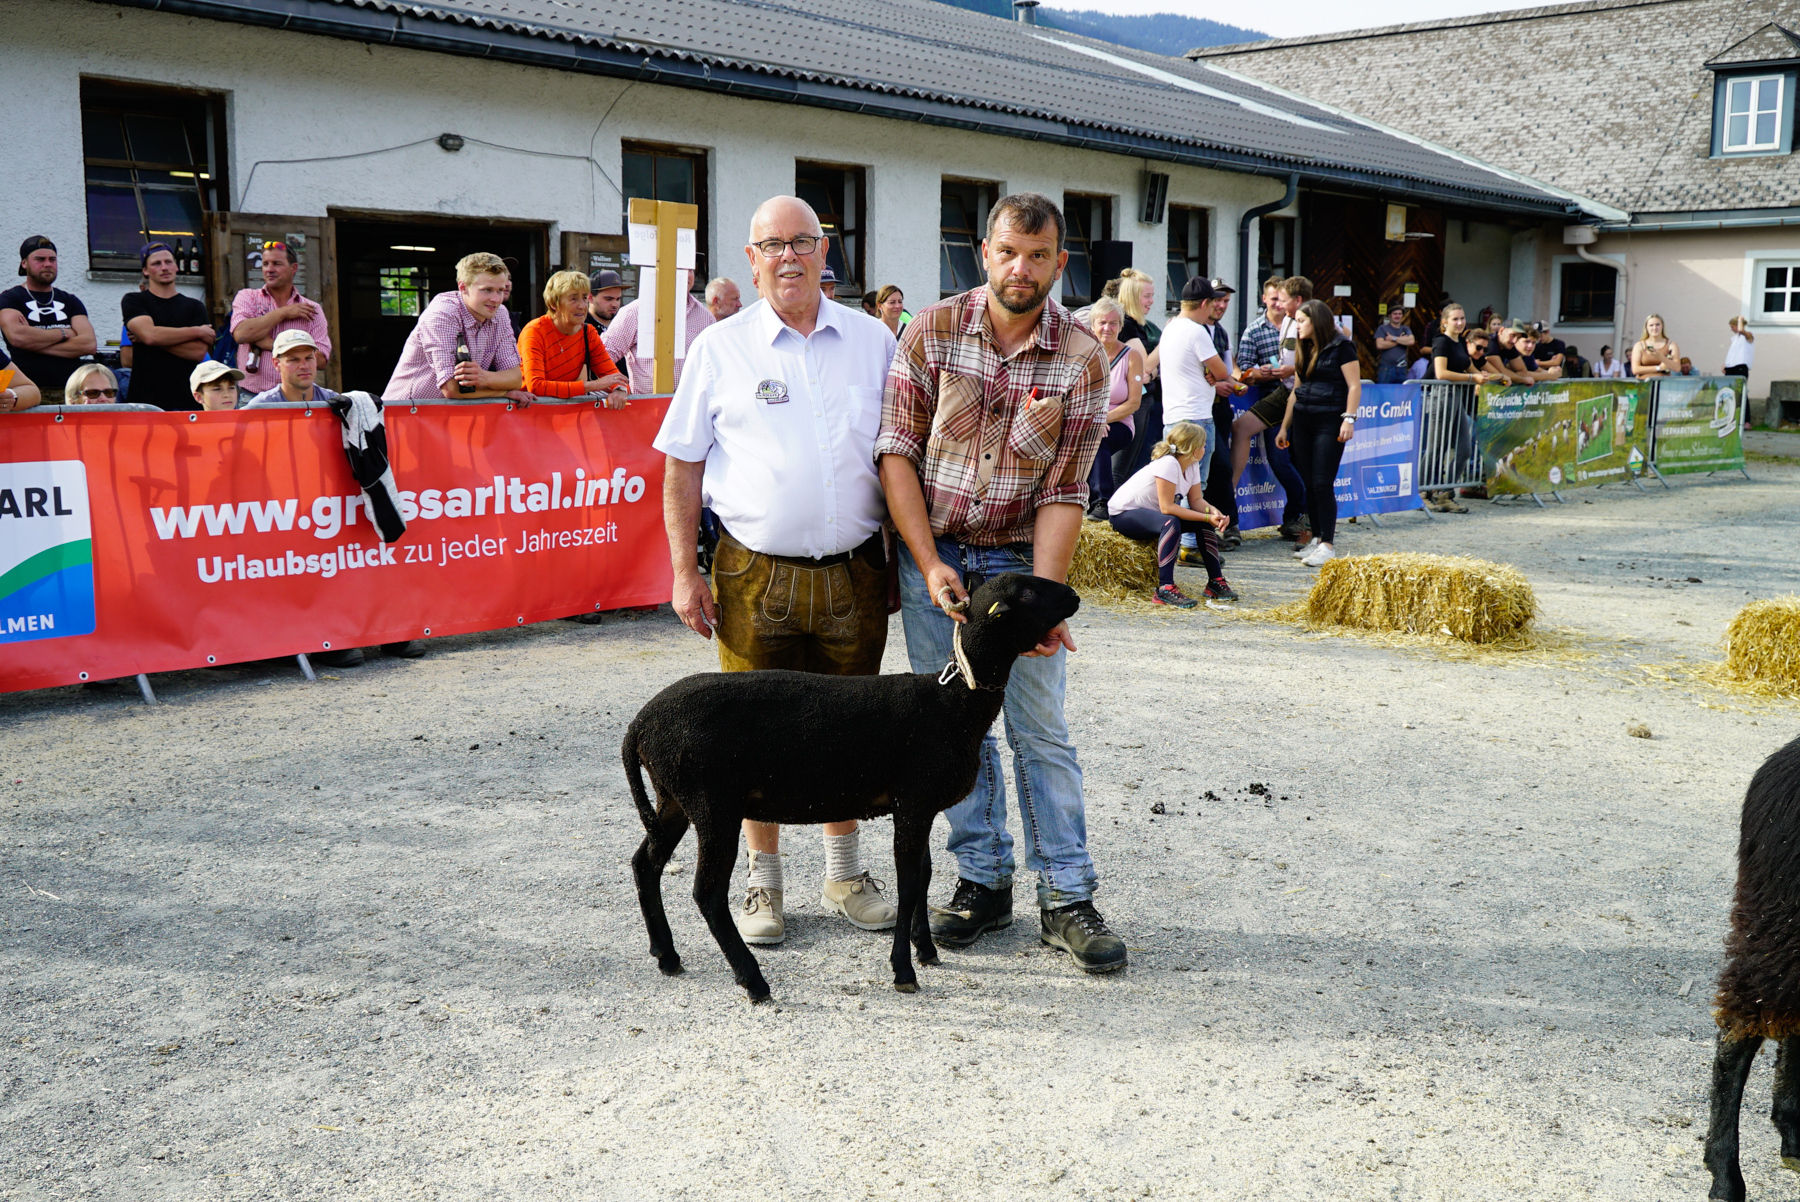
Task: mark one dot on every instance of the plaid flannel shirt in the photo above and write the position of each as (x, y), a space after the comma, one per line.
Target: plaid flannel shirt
(994, 439)
(1261, 344)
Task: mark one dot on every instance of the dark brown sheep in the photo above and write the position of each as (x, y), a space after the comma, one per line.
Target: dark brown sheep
(1759, 991)
(791, 747)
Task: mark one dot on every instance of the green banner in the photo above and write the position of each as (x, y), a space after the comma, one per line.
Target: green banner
(1561, 434)
(1699, 424)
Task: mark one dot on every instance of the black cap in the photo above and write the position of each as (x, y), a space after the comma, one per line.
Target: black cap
(827, 276)
(1221, 288)
(33, 243)
(606, 278)
(1197, 289)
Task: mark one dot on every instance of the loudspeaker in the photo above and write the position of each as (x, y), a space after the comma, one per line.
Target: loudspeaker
(1106, 260)
(1154, 194)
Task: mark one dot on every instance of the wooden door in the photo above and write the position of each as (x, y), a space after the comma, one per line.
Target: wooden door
(1357, 270)
(234, 247)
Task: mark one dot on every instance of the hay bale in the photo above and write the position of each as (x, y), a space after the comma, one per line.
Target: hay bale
(1762, 645)
(1467, 599)
(1109, 564)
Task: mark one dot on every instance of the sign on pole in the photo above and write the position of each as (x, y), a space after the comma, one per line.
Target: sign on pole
(662, 247)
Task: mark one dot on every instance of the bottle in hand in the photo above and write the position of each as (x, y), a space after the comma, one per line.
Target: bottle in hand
(463, 356)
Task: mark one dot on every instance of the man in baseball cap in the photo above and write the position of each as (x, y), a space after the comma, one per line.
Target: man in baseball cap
(297, 361)
(47, 330)
(606, 289)
(215, 385)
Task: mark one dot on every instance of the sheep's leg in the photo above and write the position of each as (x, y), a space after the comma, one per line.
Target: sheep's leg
(1731, 1068)
(1786, 1110)
(716, 853)
(912, 867)
(647, 868)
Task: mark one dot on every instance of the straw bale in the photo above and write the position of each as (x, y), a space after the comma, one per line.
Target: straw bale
(1471, 600)
(1107, 564)
(1762, 646)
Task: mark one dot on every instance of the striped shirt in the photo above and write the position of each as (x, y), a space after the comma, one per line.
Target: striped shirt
(429, 357)
(622, 336)
(551, 360)
(256, 302)
(994, 438)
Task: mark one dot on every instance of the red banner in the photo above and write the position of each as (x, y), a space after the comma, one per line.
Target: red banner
(224, 537)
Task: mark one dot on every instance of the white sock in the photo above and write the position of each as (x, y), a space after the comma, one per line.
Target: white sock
(765, 870)
(843, 856)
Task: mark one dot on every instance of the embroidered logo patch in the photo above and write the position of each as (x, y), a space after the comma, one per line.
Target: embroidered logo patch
(772, 392)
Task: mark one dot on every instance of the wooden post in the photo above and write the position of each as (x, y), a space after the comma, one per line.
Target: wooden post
(668, 217)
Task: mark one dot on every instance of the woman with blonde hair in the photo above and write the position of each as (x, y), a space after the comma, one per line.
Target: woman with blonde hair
(1161, 502)
(1655, 355)
(560, 355)
(1106, 319)
(91, 384)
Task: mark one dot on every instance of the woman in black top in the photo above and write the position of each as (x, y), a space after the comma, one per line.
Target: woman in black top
(1320, 419)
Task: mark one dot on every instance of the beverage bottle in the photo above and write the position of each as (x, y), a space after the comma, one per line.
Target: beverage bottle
(463, 356)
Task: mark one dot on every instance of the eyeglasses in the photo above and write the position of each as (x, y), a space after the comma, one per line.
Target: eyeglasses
(771, 248)
(94, 394)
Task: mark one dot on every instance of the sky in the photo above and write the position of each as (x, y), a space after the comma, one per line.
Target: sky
(1299, 18)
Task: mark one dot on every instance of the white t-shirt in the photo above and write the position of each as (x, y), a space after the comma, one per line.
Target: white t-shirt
(1139, 492)
(1741, 352)
(1610, 371)
(1187, 397)
(1289, 341)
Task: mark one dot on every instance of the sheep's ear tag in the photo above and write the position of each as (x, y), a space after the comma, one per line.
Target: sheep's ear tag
(998, 607)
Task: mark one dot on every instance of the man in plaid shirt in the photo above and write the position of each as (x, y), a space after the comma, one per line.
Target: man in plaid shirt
(995, 405)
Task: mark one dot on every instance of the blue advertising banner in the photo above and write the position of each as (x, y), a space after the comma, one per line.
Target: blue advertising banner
(1378, 472)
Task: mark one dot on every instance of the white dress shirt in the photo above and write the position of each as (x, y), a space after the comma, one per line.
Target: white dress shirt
(786, 426)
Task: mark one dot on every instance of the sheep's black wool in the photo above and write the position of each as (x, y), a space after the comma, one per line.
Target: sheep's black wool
(1759, 989)
(792, 747)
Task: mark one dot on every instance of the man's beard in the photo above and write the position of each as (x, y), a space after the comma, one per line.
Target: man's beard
(1038, 296)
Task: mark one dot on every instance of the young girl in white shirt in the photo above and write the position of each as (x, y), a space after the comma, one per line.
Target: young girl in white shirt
(1161, 502)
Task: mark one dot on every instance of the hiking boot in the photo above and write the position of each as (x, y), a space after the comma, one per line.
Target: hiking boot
(1297, 530)
(859, 899)
(349, 657)
(1168, 594)
(973, 909)
(1219, 589)
(1444, 502)
(1190, 555)
(1080, 931)
(759, 918)
(409, 649)
(1232, 538)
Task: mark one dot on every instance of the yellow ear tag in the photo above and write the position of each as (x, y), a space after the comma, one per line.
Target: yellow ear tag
(993, 609)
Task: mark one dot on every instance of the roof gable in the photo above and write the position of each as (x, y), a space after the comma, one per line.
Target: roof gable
(1771, 44)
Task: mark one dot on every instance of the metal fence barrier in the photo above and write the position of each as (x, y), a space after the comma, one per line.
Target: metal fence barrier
(1449, 456)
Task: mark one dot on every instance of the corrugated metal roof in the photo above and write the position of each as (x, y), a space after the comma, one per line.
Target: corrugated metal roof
(928, 55)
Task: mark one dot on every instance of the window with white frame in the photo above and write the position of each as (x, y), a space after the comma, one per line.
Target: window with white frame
(1777, 289)
(1752, 117)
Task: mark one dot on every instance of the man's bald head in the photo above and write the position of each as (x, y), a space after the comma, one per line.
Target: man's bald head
(783, 217)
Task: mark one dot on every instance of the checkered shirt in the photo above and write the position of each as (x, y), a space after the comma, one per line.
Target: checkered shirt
(1261, 344)
(429, 357)
(994, 439)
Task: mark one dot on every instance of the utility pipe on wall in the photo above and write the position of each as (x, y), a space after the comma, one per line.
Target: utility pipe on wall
(1244, 259)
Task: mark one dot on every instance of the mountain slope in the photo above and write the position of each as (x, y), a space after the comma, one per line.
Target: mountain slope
(1161, 33)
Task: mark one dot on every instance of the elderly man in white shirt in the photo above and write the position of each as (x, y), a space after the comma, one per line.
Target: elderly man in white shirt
(773, 425)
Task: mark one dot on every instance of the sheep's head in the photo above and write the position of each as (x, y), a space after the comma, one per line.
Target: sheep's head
(1016, 611)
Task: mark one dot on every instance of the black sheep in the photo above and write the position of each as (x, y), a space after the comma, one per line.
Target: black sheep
(1759, 991)
(792, 747)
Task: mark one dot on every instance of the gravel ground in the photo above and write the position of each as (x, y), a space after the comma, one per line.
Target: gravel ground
(1408, 927)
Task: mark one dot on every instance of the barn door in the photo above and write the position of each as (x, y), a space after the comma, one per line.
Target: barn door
(234, 242)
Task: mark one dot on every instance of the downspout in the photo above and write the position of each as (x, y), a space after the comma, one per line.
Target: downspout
(1244, 260)
(1581, 237)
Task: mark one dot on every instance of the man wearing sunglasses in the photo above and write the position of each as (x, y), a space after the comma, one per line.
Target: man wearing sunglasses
(259, 314)
(774, 422)
(47, 330)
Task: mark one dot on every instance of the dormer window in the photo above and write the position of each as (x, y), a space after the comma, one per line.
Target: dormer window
(1752, 117)
(1754, 82)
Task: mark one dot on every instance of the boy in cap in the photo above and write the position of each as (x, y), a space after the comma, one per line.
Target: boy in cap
(215, 385)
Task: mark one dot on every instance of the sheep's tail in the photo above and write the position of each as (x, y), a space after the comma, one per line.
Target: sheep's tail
(634, 776)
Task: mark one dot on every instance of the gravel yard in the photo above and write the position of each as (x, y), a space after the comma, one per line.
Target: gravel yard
(1402, 926)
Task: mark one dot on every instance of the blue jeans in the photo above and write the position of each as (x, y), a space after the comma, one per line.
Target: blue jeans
(1391, 374)
(1188, 540)
(1045, 772)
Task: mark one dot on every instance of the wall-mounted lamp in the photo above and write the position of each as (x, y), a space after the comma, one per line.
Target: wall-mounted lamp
(450, 142)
